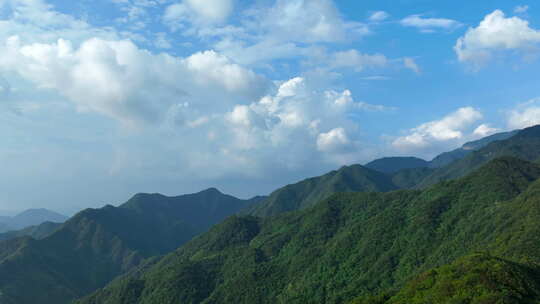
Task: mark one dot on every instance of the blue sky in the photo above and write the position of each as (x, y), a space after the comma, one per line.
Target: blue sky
(103, 99)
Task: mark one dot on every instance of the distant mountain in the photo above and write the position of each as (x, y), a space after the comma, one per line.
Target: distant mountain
(392, 165)
(310, 191)
(447, 158)
(32, 217)
(407, 172)
(37, 232)
(525, 144)
(364, 248)
(96, 245)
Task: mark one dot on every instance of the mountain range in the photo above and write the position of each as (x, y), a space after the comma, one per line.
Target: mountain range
(352, 247)
(96, 245)
(458, 229)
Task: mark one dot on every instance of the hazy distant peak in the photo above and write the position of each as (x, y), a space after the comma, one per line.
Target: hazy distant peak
(211, 190)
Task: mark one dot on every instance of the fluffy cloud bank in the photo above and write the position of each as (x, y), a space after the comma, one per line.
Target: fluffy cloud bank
(298, 115)
(117, 79)
(496, 33)
(525, 115)
(451, 130)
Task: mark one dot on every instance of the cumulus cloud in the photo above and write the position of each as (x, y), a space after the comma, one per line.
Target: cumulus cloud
(287, 29)
(484, 130)
(429, 24)
(297, 116)
(333, 140)
(117, 79)
(451, 129)
(525, 115)
(309, 21)
(496, 33)
(379, 16)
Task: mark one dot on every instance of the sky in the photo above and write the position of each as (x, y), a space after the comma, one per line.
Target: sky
(103, 99)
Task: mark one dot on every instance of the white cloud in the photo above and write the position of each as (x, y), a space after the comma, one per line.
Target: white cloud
(308, 21)
(334, 140)
(117, 79)
(429, 24)
(211, 10)
(521, 9)
(344, 100)
(495, 33)
(298, 118)
(484, 130)
(525, 115)
(287, 29)
(379, 16)
(411, 64)
(197, 12)
(450, 129)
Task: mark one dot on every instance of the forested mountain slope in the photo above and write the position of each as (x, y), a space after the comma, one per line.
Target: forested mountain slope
(310, 191)
(352, 245)
(96, 245)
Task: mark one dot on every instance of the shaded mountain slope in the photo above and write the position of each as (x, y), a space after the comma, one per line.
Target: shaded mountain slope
(392, 165)
(349, 245)
(96, 245)
(308, 192)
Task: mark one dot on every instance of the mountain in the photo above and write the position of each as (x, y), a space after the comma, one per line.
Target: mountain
(37, 232)
(363, 248)
(447, 158)
(408, 172)
(392, 165)
(387, 174)
(308, 192)
(32, 217)
(525, 144)
(96, 245)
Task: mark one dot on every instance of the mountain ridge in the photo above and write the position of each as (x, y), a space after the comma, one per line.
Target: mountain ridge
(347, 245)
(96, 245)
(308, 192)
